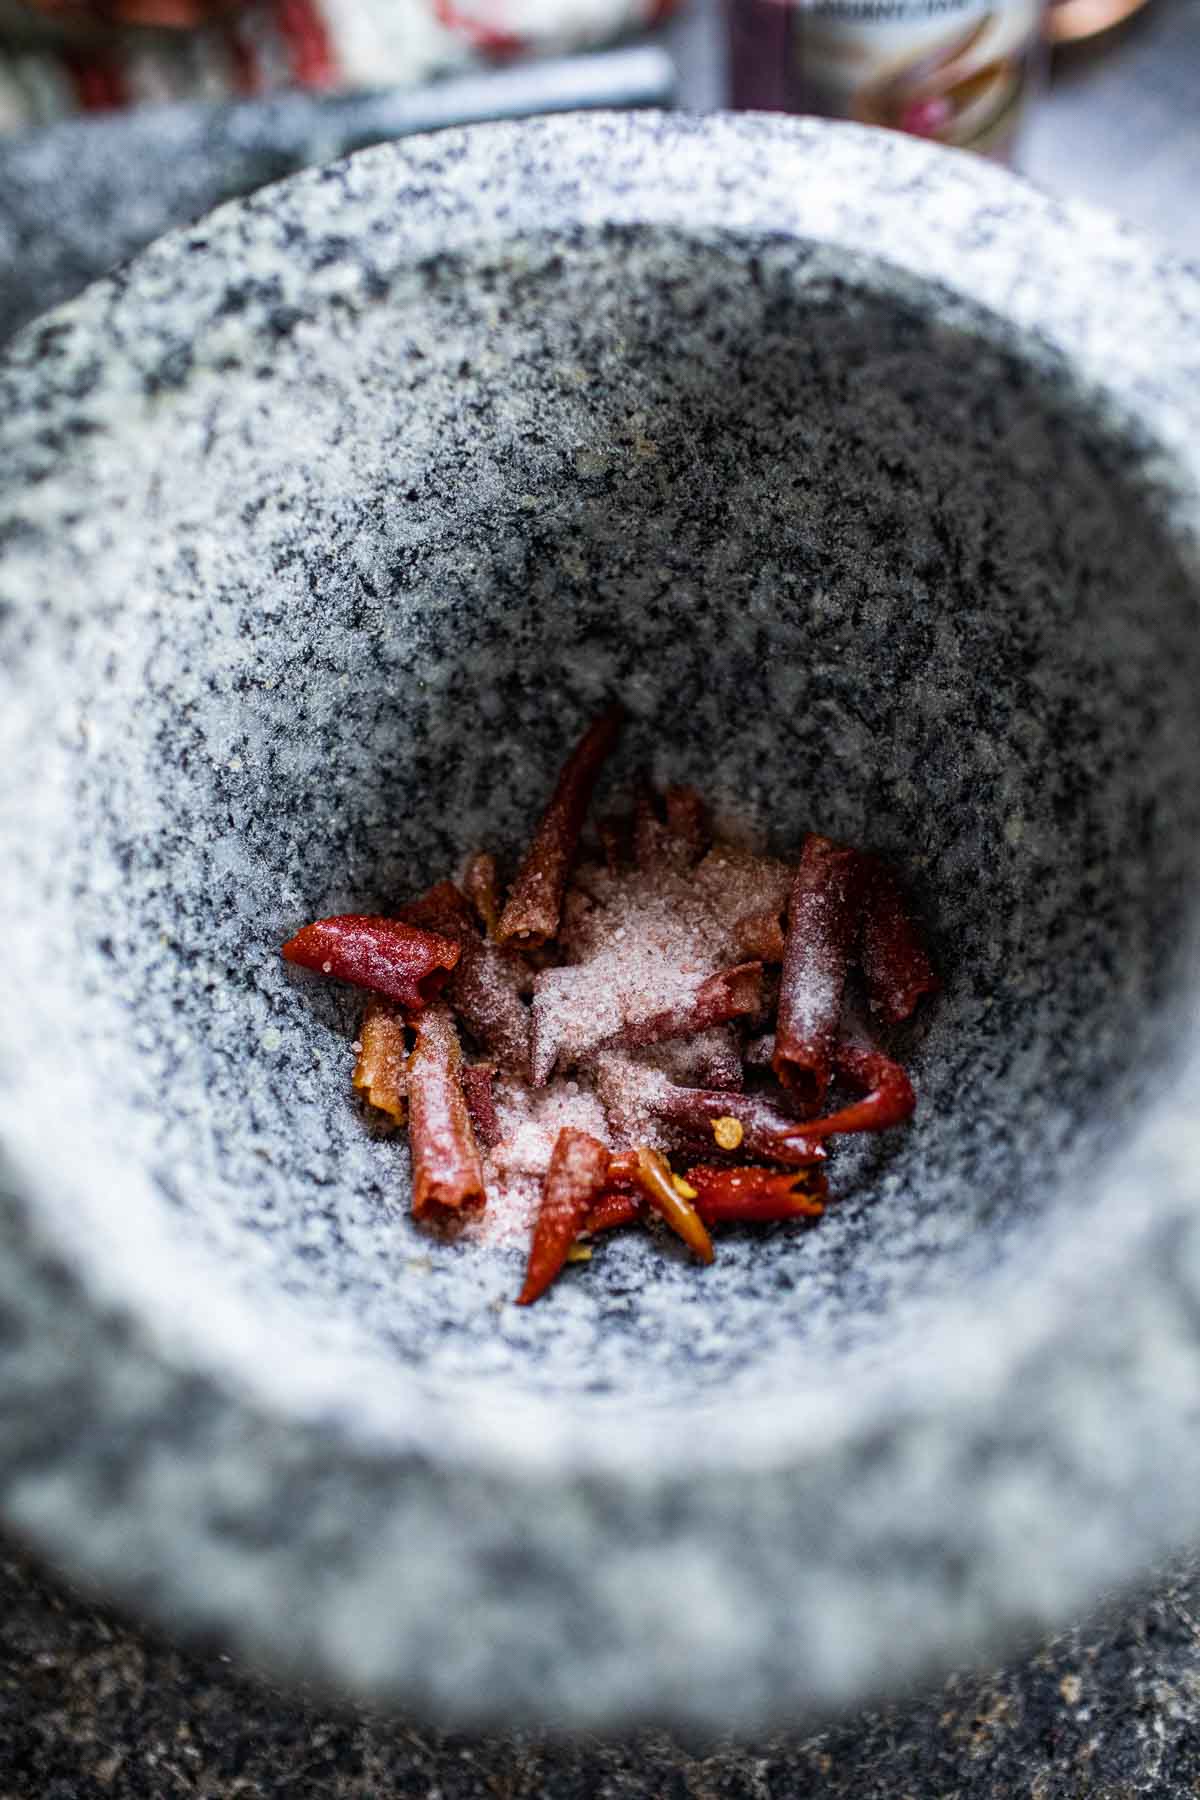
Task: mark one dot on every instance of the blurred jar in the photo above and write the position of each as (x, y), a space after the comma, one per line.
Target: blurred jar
(98, 16)
(1069, 20)
(955, 71)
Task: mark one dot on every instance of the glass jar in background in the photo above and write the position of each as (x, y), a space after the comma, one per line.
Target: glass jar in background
(1067, 21)
(959, 72)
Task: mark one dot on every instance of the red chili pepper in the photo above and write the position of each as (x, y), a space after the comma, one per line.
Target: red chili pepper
(574, 1181)
(614, 1208)
(485, 989)
(894, 960)
(730, 994)
(443, 909)
(732, 1196)
(445, 1161)
(766, 1128)
(889, 1092)
(481, 1106)
(534, 907)
(384, 955)
(823, 914)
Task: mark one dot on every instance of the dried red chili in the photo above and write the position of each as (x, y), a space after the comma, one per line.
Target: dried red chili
(749, 1195)
(385, 955)
(446, 1170)
(380, 1072)
(667, 1040)
(821, 927)
(535, 901)
(889, 1100)
(574, 1181)
(486, 986)
(729, 994)
(767, 1130)
(483, 890)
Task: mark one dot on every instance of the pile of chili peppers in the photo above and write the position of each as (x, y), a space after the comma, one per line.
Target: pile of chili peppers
(829, 955)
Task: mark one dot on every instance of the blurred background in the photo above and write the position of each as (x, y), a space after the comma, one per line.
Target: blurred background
(120, 118)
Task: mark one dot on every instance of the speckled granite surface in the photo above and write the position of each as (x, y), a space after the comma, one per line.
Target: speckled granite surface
(91, 1710)
(281, 501)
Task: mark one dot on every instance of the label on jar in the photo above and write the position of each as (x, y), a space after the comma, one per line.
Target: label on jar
(952, 70)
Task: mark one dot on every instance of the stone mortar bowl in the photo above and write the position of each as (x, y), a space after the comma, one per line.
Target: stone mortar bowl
(869, 478)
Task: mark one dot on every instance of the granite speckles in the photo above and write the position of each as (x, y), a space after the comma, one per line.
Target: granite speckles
(327, 523)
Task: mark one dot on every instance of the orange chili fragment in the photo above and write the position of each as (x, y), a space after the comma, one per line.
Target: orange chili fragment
(445, 1161)
(614, 1208)
(392, 958)
(534, 906)
(893, 958)
(822, 920)
(379, 1072)
(754, 1195)
(652, 1172)
(575, 1179)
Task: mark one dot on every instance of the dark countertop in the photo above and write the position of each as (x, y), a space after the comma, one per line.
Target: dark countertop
(92, 1707)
